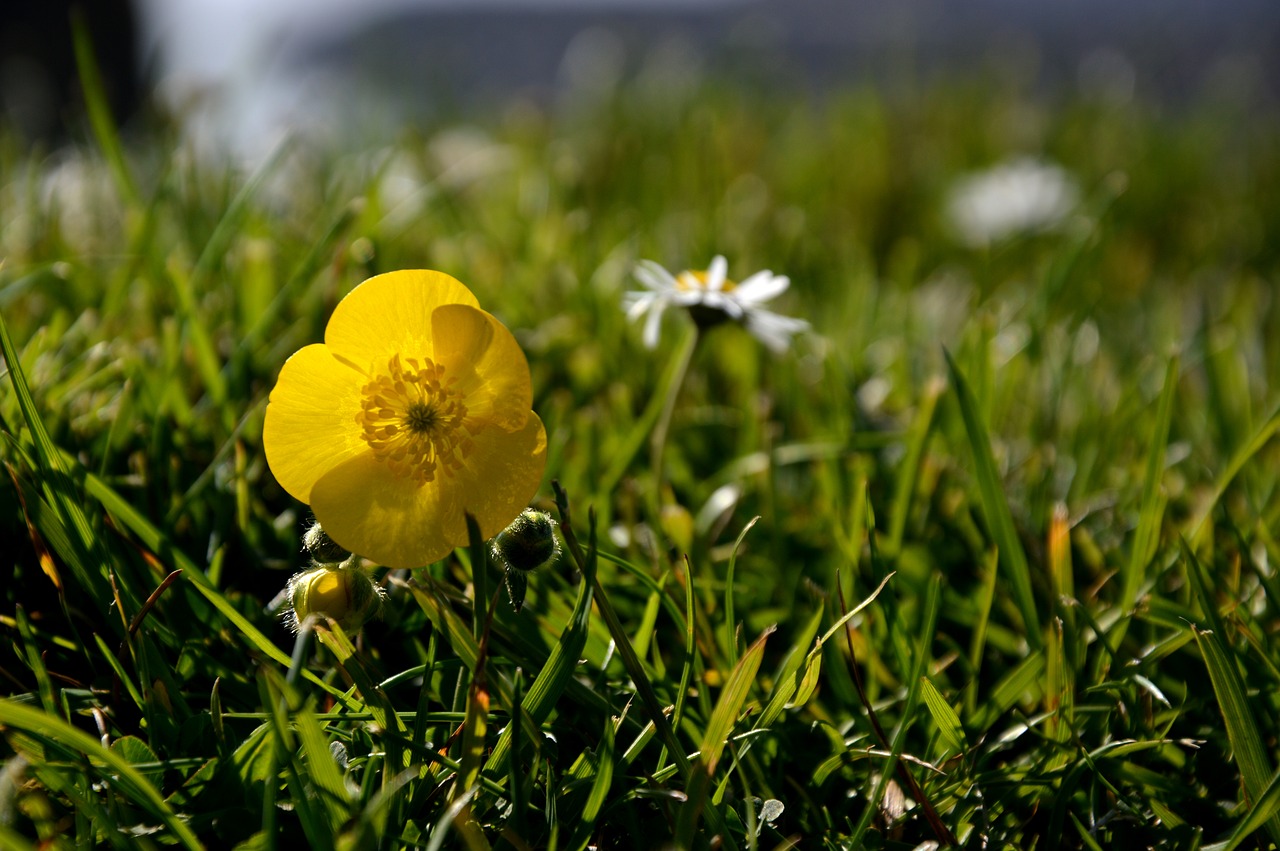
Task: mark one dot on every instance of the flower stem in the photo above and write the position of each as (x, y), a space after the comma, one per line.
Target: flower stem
(658, 440)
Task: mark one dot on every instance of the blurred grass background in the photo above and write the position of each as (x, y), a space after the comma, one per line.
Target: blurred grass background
(1117, 377)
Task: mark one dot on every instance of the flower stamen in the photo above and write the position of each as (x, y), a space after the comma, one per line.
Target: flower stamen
(415, 421)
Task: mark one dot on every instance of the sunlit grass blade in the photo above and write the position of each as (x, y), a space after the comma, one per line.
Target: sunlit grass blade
(1059, 688)
(730, 616)
(374, 698)
(1242, 730)
(447, 622)
(56, 733)
(1061, 568)
(730, 702)
(786, 679)
(55, 475)
(189, 286)
(996, 508)
(456, 817)
(284, 757)
(321, 770)
(474, 728)
(1150, 515)
(715, 736)
(944, 717)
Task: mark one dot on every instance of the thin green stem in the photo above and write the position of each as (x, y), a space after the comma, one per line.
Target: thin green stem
(658, 439)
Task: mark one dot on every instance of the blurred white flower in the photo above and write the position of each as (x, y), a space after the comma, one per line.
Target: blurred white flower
(79, 193)
(465, 155)
(1021, 196)
(711, 298)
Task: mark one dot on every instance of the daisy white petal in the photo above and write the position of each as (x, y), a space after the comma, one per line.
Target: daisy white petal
(717, 272)
(653, 324)
(773, 330)
(761, 287)
(635, 304)
(654, 276)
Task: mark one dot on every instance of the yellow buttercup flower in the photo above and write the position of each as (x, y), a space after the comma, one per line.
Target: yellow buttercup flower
(414, 411)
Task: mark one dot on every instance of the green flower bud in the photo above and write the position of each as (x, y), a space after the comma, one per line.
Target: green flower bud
(517, 584)
(323, 549)
(528, 543)
(348, 595)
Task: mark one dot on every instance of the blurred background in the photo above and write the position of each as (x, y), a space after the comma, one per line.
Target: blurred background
(239, 75)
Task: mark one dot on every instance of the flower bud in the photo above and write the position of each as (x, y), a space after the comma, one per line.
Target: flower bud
(517, 583)
(346, 594)
(322, 548)
(528, 543)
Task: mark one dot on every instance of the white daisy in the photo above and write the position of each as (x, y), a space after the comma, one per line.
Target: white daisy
(1022, 196)
(711, 298)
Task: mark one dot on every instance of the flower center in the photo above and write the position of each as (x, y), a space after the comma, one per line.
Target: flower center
(414, 421)
(697, 280)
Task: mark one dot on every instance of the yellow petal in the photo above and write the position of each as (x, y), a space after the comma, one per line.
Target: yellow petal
(491, 369)
(390, 314)
(391, 520)
(505, 471)
(311, 424)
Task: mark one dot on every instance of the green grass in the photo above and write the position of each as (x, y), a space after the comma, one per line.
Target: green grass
(1045, 475)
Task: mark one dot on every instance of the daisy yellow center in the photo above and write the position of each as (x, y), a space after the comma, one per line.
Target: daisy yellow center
(414, 420)
(692, 280)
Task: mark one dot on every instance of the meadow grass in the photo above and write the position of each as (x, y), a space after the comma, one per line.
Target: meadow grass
(987, 558)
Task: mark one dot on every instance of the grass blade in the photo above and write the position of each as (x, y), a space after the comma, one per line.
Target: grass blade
(321, 769)
(946, 719)
(1262, 811)
(909, 471)
(1150, 516)
(1200, 526)
(716, 736)
(603, 762)
(100, 118)
(1242, 729)
(55, 474)
(996, 508)
(730, 618)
